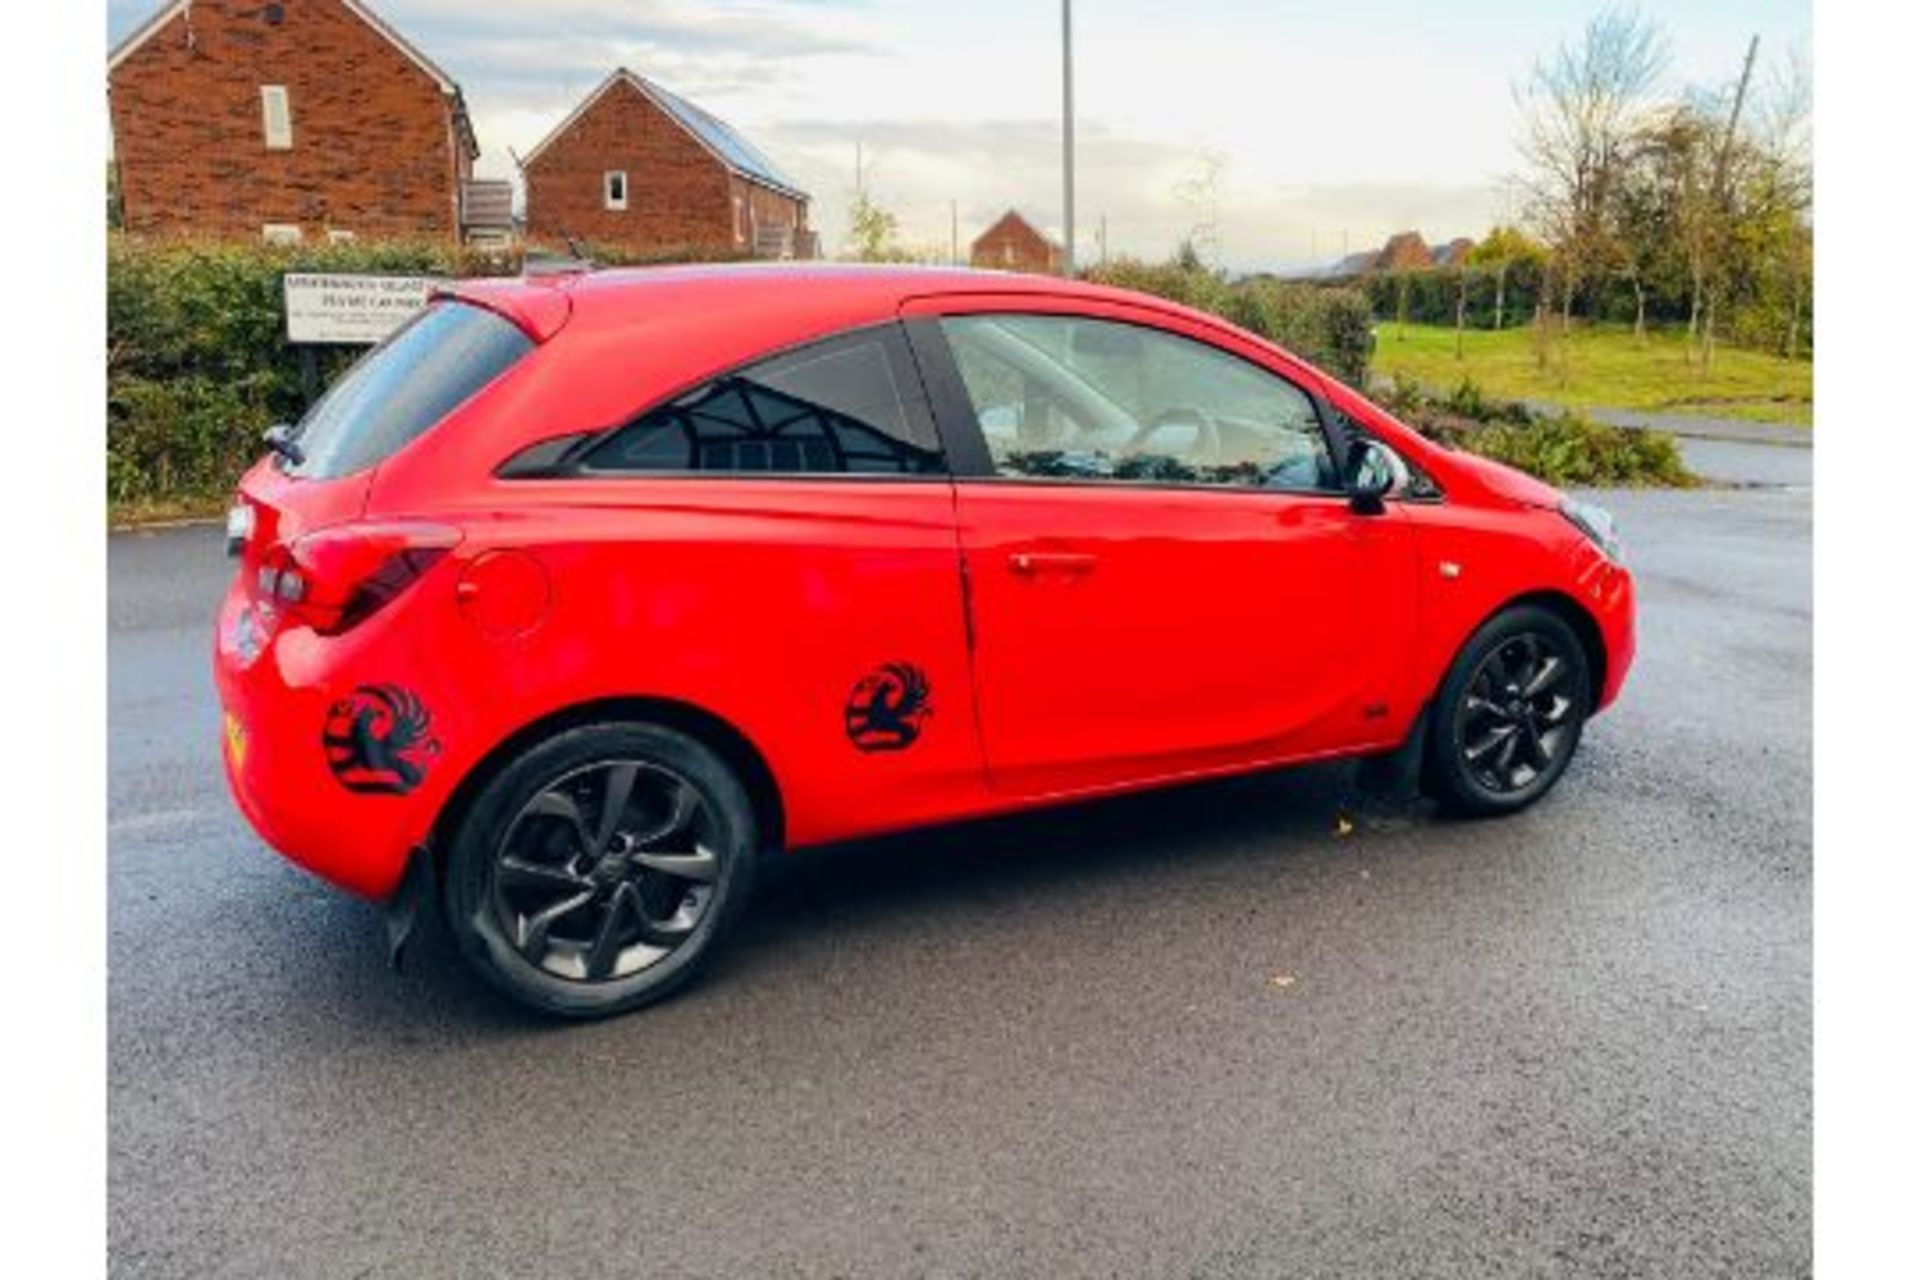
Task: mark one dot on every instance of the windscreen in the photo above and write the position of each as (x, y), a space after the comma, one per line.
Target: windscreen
(405, 385)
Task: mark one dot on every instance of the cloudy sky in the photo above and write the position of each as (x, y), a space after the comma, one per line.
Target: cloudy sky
(1328, 123)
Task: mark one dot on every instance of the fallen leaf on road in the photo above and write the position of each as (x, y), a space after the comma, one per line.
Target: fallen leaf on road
(1343, 826)
(1283, 980)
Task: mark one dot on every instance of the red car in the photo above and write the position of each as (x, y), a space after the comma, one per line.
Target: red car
(581, 593)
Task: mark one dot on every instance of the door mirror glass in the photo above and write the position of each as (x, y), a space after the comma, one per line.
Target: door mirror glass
(1373, 472)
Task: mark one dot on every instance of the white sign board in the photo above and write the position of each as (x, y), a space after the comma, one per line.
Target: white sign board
(347, 309)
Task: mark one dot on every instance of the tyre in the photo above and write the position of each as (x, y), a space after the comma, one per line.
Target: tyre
(598, 871)
(1509, 714)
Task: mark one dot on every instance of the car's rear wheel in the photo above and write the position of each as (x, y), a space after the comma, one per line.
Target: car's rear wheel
(597, 872)
(1509, 714)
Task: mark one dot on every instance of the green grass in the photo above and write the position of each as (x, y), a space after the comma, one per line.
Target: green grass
(1602, 367)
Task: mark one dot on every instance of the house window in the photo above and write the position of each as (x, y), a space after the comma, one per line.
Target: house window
(615, 181)
(276, 118)
(739, 222)
(280, 233)
(338, 235)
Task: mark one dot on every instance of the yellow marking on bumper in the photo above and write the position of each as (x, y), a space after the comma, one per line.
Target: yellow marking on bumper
(236, 741)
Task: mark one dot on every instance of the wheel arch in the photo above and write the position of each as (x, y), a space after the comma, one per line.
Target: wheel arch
(737, 750)
(1576, 615)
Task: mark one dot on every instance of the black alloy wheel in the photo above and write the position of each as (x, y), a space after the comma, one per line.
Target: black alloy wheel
(1510, 713)
(596, 872)
(1517, 720)
(606, 871)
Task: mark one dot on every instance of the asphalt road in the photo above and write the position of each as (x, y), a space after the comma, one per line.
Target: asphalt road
(1768, 464)
(1199, 1033)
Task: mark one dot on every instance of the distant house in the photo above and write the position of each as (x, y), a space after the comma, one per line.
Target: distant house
(289, 121)
(637, 166)
(1453, 253)
(1013, 244)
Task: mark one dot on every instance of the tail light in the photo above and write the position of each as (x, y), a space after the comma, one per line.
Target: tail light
(333, 579)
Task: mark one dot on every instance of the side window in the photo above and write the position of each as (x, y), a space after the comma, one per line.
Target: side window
(847, 405)
(1076, 398)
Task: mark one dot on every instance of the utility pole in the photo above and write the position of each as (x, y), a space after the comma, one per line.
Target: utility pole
(859, 174)
(1066, 96)
(953, 231)
(1103, 239)
(1733, 118)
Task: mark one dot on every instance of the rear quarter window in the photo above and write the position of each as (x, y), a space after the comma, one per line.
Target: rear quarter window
(850, 403)
(401, 388)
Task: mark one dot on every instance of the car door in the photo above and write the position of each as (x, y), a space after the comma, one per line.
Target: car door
(775, 546)
(1164, 576)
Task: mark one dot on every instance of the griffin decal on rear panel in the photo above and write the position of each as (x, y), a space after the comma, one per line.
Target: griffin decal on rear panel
(888, 708)
(380, 739)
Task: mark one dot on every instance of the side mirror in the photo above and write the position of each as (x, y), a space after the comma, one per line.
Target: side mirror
(1371, 476)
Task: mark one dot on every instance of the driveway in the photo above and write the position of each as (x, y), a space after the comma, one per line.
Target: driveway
(1197, 1033)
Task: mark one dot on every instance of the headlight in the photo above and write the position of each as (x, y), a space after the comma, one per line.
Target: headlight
(1596, 523)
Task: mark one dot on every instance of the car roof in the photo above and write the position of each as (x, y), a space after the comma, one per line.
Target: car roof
(616, 298)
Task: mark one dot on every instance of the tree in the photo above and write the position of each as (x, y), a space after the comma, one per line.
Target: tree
(1786, 148)
(871, 230)
(1642, 228)
(1461, 280)
(1504, 248)
(1583, 107)
(1199, 191)
(1675, 174)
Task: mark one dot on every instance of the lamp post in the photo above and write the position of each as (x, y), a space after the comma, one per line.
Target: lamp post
(1066, 94)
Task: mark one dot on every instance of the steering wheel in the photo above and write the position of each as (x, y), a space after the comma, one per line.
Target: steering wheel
(1205, 448)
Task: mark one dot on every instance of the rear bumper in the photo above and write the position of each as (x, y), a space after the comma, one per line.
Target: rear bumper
(284, 706)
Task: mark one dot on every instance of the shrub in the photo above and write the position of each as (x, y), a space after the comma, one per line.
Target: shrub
(1330, 327)
(1569, 450)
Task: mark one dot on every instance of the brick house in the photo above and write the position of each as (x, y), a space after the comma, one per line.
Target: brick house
(1013, 244)
(295, 120)
(637, 166)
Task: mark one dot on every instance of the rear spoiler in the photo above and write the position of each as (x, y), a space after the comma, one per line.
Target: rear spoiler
(539, 308)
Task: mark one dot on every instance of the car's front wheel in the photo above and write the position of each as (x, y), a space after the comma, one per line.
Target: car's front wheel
(597, 872)
(1509, 714)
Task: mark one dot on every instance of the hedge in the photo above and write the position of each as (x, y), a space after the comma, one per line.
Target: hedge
(1430, 294)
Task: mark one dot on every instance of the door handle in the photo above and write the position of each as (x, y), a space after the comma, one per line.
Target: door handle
(1032, 563)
